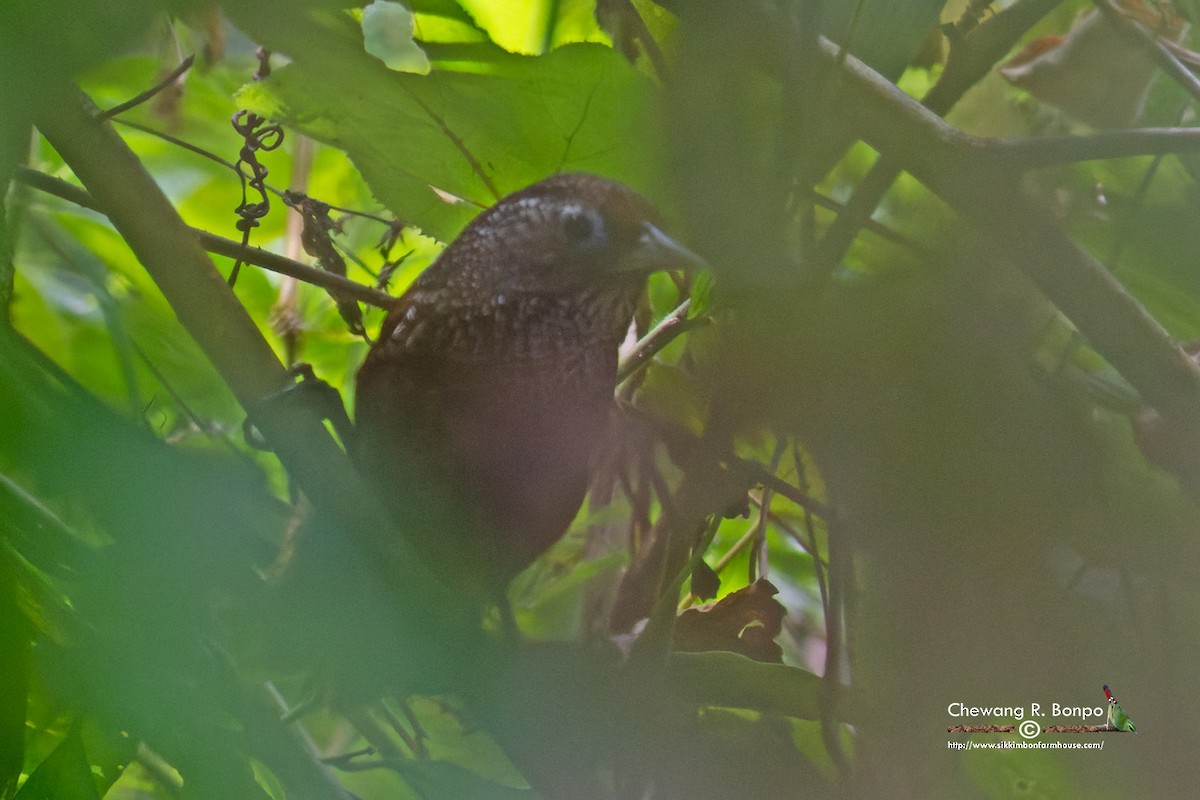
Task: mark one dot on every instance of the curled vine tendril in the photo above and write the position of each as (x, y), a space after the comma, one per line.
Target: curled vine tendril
(257, 135)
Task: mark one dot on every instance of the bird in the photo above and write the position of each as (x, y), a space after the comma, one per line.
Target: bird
(480, 406)
(1117, 718)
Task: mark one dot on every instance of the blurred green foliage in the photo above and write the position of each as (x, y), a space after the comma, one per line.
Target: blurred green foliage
(992, 530)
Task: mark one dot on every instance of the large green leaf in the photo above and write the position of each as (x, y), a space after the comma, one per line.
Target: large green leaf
(533, 26)
(14, 675)
(180, 527)
(64, 775)
(419, 139)
(885, 34)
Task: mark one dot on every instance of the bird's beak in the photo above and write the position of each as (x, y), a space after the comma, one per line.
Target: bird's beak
(656, 251)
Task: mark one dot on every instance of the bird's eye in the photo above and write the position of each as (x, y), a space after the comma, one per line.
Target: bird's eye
(582, 228)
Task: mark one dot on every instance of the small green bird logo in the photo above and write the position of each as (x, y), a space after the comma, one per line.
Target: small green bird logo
(1117, 718)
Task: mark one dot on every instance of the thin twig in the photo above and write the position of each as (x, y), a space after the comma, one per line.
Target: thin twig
(1052, 151)
(221, 245)
(877, 228)
(810, 527)
(153, 90)
(971, 58)
(1166, 59)
(162, 773)
(349, 762)
(411, 740)
(738, 546)
(728, 556)
(285, 266)
(410, 715)
(785, 489)
(375, 734)
(1115, 323)
(662, 334)
(838, 555)
(757, 564)
(289, 715)
(200, 151)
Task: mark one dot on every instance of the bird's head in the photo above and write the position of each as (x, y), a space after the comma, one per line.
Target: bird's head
(560, 235)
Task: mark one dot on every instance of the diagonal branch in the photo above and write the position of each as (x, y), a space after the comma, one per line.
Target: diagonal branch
(971, 58)
(133, 102)
(223, 246)
(1167, 60)
(1051, 151)
(987, 197)
(662, 334)
(206, 306)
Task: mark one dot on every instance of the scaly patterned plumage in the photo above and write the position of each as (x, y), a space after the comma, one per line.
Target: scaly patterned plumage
(492, 379)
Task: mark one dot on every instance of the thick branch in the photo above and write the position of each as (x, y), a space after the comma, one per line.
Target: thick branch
(210, 312)
(555, 737)
(1050, 151)
(971, 58)
(987, 196)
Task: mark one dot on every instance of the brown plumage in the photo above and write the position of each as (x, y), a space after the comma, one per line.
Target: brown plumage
(480, 406)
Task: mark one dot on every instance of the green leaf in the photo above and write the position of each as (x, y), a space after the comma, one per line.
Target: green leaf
(14, 674)
(1021, 775)
(728, 679)
(671, 394)
(885, 34)
(437, 148)
(64, 775)
(388, 35)
(440, 780)
(459, 756)
(535, 26)
(182, 528)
